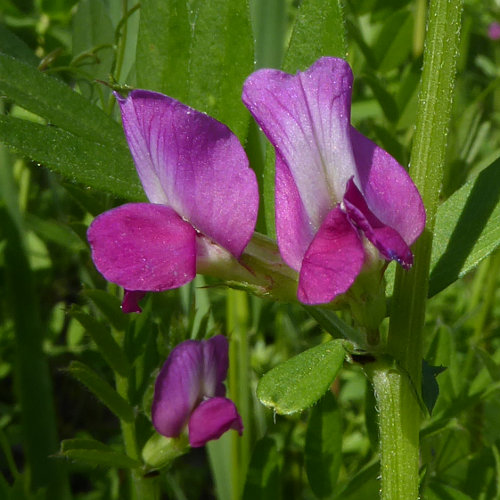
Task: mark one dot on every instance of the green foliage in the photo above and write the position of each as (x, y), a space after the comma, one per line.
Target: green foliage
(299, 382)
(323, 450)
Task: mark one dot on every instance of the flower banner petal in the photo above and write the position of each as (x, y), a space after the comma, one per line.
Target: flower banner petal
(294, 233)
(215, 365)
(178, 388)
(332, 261)
(143, 247)
(307, 119)
(388, 189)
(388, 241)
(193, 163)
(212, 418)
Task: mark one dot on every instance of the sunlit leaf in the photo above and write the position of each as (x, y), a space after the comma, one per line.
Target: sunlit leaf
(299, 382)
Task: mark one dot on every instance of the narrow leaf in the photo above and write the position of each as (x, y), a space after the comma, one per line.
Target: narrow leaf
(93, 40)
(102, 390)
(467, 229)
(323, 451)
(109, 305)
(105, 168)
(13, 46)
(263, 477)
(109, 349)
(56, 102)
(430, 387)
(318, 31)
(163, 44)
(394, 43)
(299, 382)
(222, 57)
(94, 452)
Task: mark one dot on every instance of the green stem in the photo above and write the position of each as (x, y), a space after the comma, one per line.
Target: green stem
(397, 414)
(143, 488)
(405, 337)
(239, 384)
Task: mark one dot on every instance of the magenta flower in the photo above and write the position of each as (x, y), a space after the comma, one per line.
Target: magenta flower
(494, 31)
(195, 174)
(334, 187)
(189, 391)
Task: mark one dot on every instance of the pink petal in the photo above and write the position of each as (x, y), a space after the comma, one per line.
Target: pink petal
(193, 163)
(143, 247)
(332, 261)
(388, 189)
(130, 302)
(212, 418)
(178, 388)
(386, 240)
(215, 365)
(306, 118)
(293, 230)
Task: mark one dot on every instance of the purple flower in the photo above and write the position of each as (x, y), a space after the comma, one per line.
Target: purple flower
(189, 391)
(202, 193)
(494, 31)
(334, 187)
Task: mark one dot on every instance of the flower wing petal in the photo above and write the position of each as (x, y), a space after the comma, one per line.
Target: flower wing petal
(143, 247)
(306, 118)
(388, 189)
(193, 163)
(332, 261)
(178, 388)
(387, 240)
(212, 418)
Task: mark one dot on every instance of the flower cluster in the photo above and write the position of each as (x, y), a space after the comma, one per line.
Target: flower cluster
(342, 203)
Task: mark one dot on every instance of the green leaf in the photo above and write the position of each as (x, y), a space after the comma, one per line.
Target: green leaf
(269, 19)
(57, 103)
(323, 450)
(337, 328)
(56, 232)
(93, 34)
(467, 229)
(103, 167)
(15, 47)
(163, 44)
(110, 306)
(299, 382)
(108, 347)
(264, 471)
(222, 57)
(318, 31)
(394, 43)
(102, 390)
(440, 491)
(94, 452)
(430, 387)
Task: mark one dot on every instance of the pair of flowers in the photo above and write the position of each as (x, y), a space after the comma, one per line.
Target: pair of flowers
(338, 197)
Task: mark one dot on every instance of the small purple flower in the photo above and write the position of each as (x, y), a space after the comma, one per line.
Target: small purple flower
(189, 391)
(494, 31)
(334, 187)
(201, 190)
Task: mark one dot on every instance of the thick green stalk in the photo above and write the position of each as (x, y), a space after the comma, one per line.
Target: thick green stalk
(410, 292)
